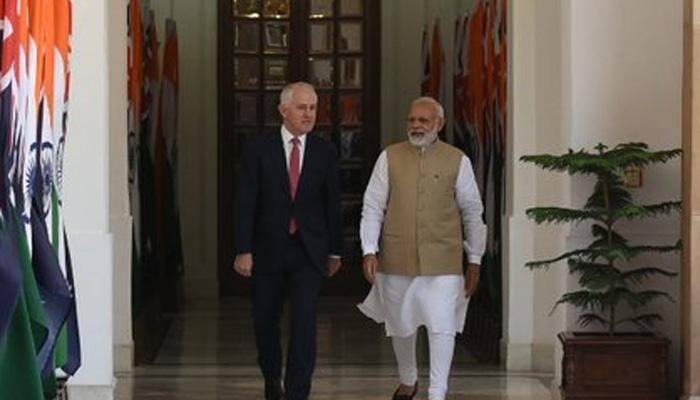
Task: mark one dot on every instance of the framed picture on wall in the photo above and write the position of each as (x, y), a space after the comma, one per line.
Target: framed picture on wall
(276, 37)
(276, 73)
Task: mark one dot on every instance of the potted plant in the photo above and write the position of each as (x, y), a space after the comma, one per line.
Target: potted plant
(612, 364)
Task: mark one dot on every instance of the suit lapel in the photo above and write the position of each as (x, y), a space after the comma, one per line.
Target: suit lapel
(280, 161)
(309, 151)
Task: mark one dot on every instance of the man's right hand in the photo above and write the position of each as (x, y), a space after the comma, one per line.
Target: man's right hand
(243, 264)
(370, 264)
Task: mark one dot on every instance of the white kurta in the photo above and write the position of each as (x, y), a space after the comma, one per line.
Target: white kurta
(404, 303)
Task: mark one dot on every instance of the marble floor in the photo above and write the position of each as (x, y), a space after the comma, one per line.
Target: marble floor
(209, 354)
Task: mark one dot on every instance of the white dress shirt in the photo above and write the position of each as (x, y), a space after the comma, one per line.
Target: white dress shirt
(466, 194)
(287, 141)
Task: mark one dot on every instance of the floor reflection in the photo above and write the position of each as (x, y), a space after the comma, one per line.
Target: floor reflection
(209, 353)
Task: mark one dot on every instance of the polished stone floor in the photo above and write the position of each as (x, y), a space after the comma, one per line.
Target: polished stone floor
(209, 354)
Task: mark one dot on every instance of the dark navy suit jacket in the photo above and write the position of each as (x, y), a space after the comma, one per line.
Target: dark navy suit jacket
(264, 205)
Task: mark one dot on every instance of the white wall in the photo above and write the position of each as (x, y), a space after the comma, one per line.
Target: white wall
(626, 69)
(87, 196)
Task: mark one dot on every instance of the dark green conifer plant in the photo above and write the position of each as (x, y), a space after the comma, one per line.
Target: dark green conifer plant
(607, 271)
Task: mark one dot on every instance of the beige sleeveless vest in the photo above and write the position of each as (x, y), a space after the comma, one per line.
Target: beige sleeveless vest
(422, 232)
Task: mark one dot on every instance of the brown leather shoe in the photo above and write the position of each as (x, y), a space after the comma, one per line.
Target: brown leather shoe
(397, 396)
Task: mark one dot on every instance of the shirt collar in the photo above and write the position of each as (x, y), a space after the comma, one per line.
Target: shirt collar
(287, 137)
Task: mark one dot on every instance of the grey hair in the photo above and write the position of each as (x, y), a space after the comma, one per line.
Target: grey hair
(288, 91)
(429, 101)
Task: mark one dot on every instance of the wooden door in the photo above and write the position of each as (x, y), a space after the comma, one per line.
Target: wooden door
(334, 45)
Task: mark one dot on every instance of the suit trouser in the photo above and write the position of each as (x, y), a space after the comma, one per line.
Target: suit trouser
(298, 280)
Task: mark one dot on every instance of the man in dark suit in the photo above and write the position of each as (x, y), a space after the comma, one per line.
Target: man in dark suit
(288, 237)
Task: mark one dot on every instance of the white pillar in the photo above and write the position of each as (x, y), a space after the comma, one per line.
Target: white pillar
(518, 243)
(87, 197)
(119, 215)
(537, 124)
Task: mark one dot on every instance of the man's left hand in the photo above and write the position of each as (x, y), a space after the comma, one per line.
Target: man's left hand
(333, 265)
(471, 281)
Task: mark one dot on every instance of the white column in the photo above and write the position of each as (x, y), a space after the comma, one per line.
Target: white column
(519, 240)
(119, 214)
(87, 196)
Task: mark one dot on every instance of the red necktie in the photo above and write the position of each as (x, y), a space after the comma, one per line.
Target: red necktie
(294, 179)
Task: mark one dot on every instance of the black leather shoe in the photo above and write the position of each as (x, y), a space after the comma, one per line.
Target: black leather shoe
(397, 396)
(273, 390)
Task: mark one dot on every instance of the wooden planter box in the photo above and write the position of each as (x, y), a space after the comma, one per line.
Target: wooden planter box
(620, 367)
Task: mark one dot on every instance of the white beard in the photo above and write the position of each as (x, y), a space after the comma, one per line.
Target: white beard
(423, 141)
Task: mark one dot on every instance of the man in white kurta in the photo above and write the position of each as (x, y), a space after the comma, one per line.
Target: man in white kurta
(423, 205)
